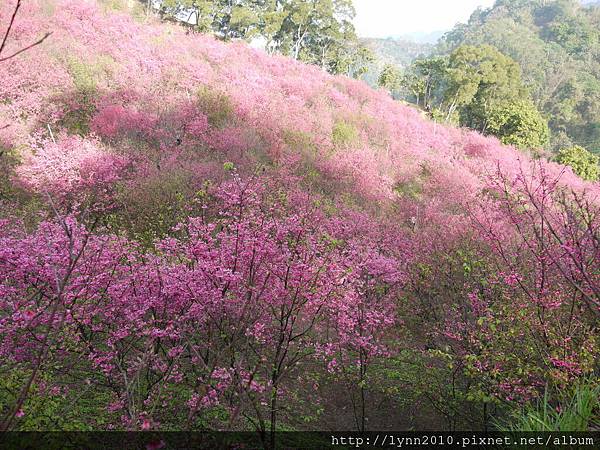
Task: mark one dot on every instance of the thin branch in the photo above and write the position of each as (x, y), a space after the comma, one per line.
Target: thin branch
(10, 25)
(7, 33)
(26, 48)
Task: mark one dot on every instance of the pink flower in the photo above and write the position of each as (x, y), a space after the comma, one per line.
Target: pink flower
(332, 366)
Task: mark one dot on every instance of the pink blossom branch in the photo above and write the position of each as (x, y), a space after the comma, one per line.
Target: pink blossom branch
(7, 33)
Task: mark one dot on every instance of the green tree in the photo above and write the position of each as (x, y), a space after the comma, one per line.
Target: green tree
(390, 78)
(480, 88)
(479, 79)
(228, 19)
(317, 31)
(314, 31)
(583, 163)
(556, 43)
(428, 81)
(518, 123)
(353, 61)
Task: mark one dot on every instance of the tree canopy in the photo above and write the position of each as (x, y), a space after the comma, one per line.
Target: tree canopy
(390, 78)
(314, 31)
(583, 163)
(518, 123)
(476, 87)
(557, 45)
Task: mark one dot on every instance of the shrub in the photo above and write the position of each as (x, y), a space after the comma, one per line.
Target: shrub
(583, 163)
(72, 170)
(147, 210)
(344, 134)
(577, 409)
(217, 106)
(519, 123)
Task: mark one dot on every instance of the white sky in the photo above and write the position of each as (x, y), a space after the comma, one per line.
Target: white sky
(383, 18)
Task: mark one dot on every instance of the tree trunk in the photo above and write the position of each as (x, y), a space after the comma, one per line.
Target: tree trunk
(273, 415)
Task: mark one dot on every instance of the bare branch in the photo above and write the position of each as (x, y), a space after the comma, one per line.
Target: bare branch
(26, 48)
(7, 33)
(10, 25)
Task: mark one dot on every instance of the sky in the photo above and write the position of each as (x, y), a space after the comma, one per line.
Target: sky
(384, 18)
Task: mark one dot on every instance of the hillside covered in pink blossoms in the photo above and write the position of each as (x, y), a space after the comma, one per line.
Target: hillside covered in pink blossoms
(197, 235)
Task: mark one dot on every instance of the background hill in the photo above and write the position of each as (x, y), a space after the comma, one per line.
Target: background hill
(557, 46)
(397, 51)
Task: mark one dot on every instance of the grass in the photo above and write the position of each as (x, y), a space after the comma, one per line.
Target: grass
(579, 411)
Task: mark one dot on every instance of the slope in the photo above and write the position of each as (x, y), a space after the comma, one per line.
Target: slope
(175, 93)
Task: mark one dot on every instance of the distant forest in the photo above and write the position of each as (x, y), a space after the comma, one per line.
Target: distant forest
(556, 44)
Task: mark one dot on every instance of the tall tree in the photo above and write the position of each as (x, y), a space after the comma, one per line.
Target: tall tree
(480, 88)
(479, 79)
(228, 19)
(426, 81)
(353, 60)
(314, 31)
(317, 31)
(390, 78)
(556, 43)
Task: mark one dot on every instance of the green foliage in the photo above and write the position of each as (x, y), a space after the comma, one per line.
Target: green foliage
(518, 123)
(480, 88)
(575, 36)
(478, 79)
(426, 82)
(576, 411)
(216, 105)
(556, 43)
(64, 410)
(302, 143)
(317, 31)
(397, 53)
(243, 18)
(135, 8)
(441, 396)
(8, 162)
(13, 196)
(86, 77)
(77, 120)
(583, 163)
(352, 60)
(299, 141)
(412, 189)
(390, 78)
(154, 206)
(344, 134)
(83, 76)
